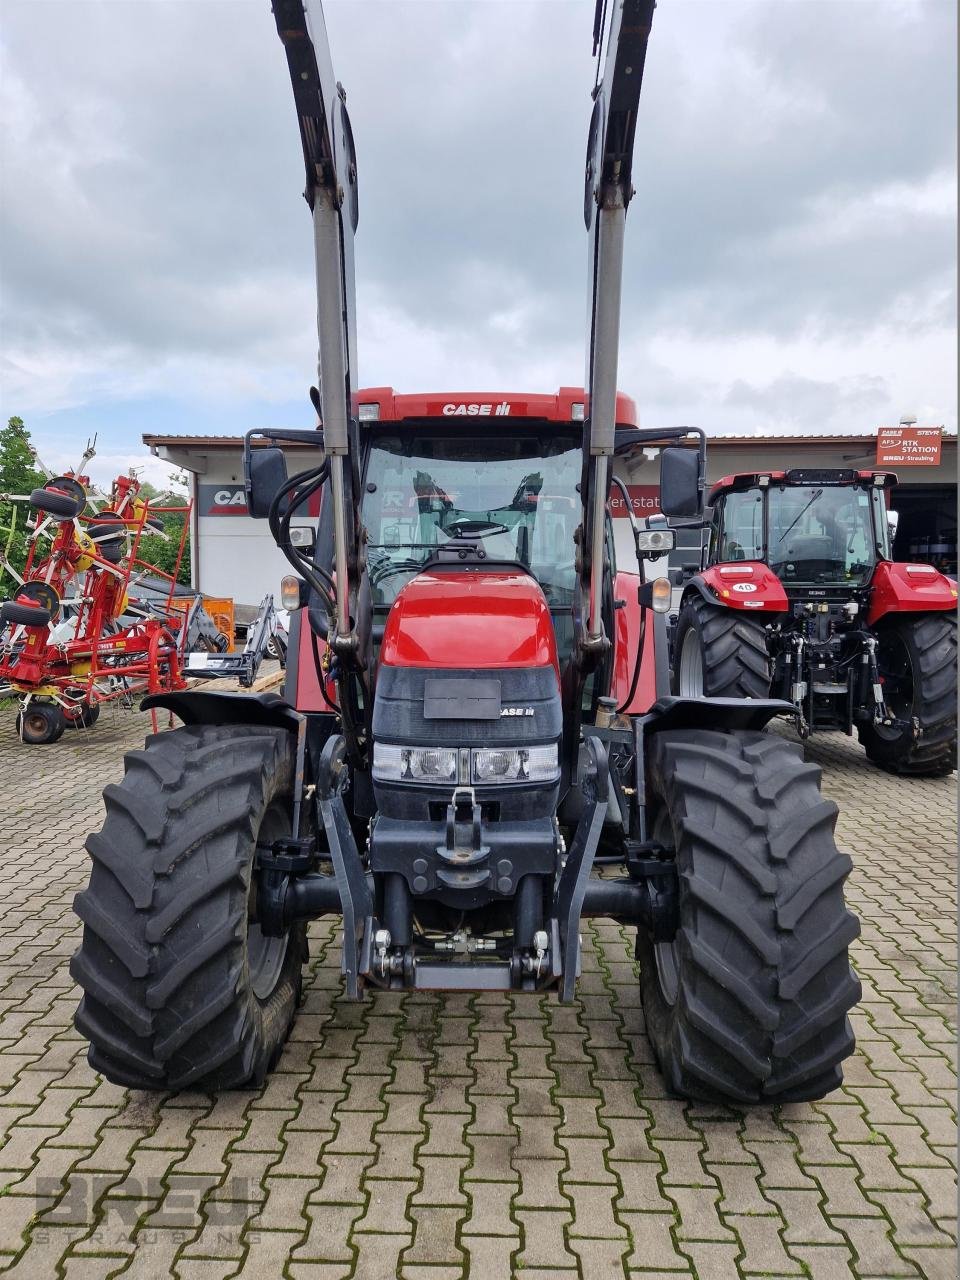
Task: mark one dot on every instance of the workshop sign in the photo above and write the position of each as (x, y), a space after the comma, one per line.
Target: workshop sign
(644, 498)
(908, 446)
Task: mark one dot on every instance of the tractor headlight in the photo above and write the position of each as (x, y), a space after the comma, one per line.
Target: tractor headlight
(655, 541)
(487, 764)
(414, 764)
(515, 764)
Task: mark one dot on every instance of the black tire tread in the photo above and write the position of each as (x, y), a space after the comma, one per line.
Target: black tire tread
(733, 646)
(765, 983)
(932, 640)
(166, 994)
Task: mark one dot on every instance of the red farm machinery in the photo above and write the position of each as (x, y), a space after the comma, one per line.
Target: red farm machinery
(476, 721)
(92, 621)
(799, 599)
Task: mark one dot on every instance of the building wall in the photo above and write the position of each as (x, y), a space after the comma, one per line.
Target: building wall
(233, 554)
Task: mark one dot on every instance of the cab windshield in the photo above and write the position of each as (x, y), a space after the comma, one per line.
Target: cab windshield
(821, 533)
(515, 493)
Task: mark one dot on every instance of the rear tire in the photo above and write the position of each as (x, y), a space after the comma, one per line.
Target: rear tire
(41, 723)
(918, 659)
(748, 1003)
(719, 653)
(180, 987)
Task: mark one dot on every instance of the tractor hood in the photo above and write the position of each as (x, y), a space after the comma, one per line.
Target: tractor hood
(470, 618)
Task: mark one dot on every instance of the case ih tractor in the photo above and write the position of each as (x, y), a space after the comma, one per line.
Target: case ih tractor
(476, 718)
(800, 600)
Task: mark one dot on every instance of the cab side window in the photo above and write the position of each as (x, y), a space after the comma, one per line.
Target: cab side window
(741, 531)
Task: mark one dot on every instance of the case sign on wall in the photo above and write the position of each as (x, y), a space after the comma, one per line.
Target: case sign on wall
(231, 500)
(908, 446)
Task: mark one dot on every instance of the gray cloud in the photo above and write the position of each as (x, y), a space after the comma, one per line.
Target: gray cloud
(795, 190)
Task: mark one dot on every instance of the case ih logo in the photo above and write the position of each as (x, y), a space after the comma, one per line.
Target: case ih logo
(231, 500)
(501, 410)
(222, 500)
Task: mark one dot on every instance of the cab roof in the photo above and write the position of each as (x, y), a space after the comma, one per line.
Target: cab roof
(801, 476)
(383, 404)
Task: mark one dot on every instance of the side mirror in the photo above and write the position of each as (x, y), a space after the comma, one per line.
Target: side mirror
(893, 520)
(680, 493)
(266, 472)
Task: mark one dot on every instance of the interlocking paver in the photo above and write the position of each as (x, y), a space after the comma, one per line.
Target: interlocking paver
(428, 1136)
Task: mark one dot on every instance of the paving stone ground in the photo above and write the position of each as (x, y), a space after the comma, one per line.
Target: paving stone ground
(436, 1137)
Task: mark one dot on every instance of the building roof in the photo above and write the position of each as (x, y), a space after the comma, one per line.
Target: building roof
(714, 437)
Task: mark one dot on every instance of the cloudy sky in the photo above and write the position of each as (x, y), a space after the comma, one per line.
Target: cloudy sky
(791, 248)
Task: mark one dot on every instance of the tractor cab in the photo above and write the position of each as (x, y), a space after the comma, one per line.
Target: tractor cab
(823, 528)
(438, 487)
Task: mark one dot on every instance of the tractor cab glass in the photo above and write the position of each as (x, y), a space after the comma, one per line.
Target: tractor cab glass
(741, 530)
(821, 533)
(515, 494)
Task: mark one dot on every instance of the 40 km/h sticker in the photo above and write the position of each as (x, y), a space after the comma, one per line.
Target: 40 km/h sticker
(744, 586)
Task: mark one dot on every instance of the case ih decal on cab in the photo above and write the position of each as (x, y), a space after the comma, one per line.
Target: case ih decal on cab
(475, 410)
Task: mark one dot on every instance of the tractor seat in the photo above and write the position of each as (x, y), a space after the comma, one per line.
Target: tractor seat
(810, 547)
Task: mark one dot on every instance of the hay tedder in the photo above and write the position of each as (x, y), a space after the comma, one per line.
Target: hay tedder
(476, 719)
(82, 628)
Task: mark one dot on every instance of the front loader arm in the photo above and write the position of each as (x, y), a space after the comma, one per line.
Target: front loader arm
(608, 190)
(331, 192)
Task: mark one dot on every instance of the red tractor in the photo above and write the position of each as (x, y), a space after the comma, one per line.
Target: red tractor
(476, 719)
(799, 599)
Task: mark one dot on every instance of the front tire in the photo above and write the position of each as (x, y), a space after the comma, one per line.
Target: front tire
(748, 1002)
(917, 658)
(719, 653)
(180, 986)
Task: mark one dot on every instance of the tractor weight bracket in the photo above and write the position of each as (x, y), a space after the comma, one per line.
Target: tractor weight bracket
(572, 885)
(356, 897)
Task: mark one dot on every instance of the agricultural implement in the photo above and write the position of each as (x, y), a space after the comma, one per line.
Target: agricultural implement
(476, 718)
(799, 599)
(82, 628)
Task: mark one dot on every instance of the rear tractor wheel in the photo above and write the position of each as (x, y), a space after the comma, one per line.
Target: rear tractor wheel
(917, 659)
(180, 986)
(748, 1002)
(719, 653)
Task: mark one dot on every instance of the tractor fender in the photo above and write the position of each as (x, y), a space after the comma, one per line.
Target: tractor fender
(198, 706)
(909, 588)
(712, 713)
(749, 586)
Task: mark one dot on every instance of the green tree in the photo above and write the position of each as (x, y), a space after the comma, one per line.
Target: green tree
(18, 475)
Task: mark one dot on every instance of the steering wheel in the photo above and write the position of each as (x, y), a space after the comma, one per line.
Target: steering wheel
(378, 572)
(467, 527)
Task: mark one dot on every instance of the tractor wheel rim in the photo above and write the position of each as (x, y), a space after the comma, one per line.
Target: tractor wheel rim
(666, 955)
(266, 954)
(36, 722)
(691, 666)
(896, 670)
